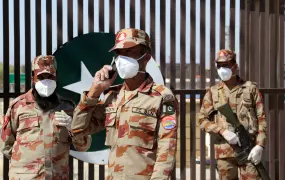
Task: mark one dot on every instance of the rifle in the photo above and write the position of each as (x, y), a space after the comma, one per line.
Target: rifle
(246, 141)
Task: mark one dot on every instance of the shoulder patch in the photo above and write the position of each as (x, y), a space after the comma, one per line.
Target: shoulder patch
(168, 122)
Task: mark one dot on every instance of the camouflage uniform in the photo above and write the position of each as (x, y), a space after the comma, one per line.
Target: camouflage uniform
(246, 101)
(36, 147)
(141, 128)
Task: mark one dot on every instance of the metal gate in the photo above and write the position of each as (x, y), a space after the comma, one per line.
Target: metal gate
(186, 35)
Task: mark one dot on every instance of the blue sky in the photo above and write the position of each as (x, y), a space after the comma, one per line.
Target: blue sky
(117, 20)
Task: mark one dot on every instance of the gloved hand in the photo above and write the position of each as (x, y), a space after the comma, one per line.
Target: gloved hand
(255, 154)
(231, 137)
(62, 119)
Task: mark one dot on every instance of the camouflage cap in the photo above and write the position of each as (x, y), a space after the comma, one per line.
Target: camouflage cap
(225, 55)
(127, 38)
(44, 64)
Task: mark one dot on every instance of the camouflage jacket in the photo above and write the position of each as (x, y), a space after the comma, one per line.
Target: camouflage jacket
(37, 148)
(141, 129)
(246, 101)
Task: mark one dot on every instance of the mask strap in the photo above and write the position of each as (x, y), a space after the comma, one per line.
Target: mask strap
(141, 57)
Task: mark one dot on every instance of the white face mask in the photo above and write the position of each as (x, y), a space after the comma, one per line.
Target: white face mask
(127, 67)
(225, 73)
(45, 87)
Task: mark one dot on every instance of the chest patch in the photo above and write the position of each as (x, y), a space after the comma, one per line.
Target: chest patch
(143, 111)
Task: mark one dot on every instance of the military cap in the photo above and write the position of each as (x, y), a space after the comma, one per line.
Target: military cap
(44, 64)
(225, 55)
(127, 38)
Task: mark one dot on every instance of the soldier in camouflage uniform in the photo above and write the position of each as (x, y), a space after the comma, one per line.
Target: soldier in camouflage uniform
(246, 101)
(140, 116)
(35, 130)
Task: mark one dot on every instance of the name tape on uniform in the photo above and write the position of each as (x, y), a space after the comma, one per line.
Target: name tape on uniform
(143, 111)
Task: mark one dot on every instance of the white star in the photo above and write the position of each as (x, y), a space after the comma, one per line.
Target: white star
(84, 84)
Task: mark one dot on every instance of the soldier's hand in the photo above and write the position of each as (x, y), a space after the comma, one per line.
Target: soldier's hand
(255, 154)
(62, 119)
(231, 137)
(101, 81)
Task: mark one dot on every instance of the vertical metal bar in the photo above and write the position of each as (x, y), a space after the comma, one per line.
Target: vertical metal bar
(80, 17)
(16, 47)
(281, 124)
(272, 136)
(101, 16)
(91, 15)
(70, 19)
(71, 171)
(182, 137)
(232, 25)
(173, 57)
(203, 84)
(203, 44)
(193, 86)
(152, 26)
(38, 28)
(266, 44)
(281, 133)
(122, 14)
(242, 38)
(182, 44)
(193, 44)
(212, 41)
(101, 172)
(192, 136)
(256, 41)
(80, 170)
(247, 40)
(253, 39)
(173, 45)
(281, 46)
(91, 171)
(27, 46)
(202, 148)
(142, 19)
(6, 70)
(59, 23)
(222, 23)
(212, 80)
(162, 38)
(262, 37)
(49, 27)
(133, 13)
(112, 16)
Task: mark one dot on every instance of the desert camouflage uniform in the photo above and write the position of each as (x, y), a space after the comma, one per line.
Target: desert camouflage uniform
(246, 101)
(141, 129)
(36, 147)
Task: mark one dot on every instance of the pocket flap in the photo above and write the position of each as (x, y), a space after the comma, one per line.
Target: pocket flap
(28, 120)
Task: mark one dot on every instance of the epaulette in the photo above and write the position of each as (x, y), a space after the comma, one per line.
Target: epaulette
(17, 99)
(165, 92)
(249, 84)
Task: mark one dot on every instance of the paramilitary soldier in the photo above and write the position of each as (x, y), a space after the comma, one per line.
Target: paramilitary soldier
(35, 130)
(244, 100)
(140, 116)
